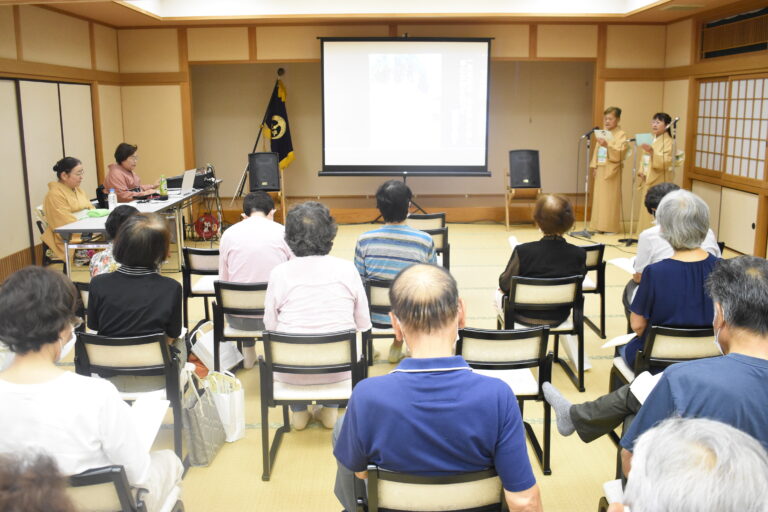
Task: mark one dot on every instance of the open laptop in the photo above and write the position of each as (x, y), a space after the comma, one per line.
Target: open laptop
(187, 184)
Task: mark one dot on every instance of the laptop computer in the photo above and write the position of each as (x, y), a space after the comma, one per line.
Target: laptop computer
(187, 184)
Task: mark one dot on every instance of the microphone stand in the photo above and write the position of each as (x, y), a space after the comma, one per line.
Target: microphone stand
(586, 233)
(630, 240)
(674, 147)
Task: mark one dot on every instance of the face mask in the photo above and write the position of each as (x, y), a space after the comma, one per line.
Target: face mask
(66, 348)
(717, 334)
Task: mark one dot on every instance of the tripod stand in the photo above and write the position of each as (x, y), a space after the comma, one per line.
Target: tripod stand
(413, 202)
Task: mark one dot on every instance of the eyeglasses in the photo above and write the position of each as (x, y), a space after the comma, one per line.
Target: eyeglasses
(135, 158)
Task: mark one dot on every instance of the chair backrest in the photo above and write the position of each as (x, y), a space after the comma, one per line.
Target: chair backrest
(83, 290)
(595, 254)
(137, 355)
(439, 237)
(477, 491)
(201, 261)
(240, 298)
(377, 292)
(426, 221)
(668, 345)
(503, 349)
(310, 353)
(102, 490)
(544, 293)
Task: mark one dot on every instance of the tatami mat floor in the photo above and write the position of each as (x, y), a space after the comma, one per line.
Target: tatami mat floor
(304, 471)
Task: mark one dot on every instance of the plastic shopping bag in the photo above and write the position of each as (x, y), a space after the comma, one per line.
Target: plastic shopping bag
(228, 395)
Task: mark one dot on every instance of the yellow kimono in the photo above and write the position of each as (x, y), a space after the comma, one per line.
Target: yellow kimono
(60, 205)
(606, 201)
(656, 168)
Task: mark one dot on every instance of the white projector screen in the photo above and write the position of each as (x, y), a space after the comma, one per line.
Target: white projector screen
(406, 105)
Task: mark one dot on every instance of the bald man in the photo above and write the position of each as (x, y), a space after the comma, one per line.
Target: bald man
(432, 415)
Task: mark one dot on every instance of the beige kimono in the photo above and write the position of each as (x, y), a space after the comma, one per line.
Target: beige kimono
(60, 205)
(656, 169)
(606, 201)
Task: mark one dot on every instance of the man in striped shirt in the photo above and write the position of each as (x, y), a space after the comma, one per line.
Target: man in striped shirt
(384, 252)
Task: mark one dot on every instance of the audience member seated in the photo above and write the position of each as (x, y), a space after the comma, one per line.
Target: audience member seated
(135, 299)
(732, 388)
(432, 415)
(550, 257)
(696, 464)
(671, 292)
(652, 247)
(80, 421)
(64, 203)
(248, 252)
(32, 483)
(383, 252)
(314, 293)
(123, 179)
(104, 261)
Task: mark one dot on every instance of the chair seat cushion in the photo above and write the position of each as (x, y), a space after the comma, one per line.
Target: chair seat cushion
(625, 370)
(588, 285)
(231, 332)
(522, 381)
(332, 391)
(204, 285)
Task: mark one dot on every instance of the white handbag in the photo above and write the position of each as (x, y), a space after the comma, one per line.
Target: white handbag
(229, 397)
(202, 346)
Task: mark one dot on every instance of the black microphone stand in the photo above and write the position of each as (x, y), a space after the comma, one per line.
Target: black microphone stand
(586, 233)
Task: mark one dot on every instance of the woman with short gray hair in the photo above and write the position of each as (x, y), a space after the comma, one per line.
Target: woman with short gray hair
(671, 291)
(314, 293)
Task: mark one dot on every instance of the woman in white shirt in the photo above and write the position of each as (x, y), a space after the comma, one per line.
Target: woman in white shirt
(80, 421)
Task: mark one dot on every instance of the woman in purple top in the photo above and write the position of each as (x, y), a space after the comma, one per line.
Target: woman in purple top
(671, 292)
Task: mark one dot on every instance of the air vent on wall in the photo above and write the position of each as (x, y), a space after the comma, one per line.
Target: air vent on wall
(742, 33)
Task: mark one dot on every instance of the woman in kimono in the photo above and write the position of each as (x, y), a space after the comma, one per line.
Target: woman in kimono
(656, 164)
(607, 164)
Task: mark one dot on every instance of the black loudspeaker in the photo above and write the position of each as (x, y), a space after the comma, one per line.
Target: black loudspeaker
(524, 168)
(263, 171)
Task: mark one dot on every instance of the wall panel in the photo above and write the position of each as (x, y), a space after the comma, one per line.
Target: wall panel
(508, 40)
(7, 33)
(566, 41)
(219, 43)
(710, 193)
(679, 42)
(105, 41)
(77, 124)
(42, 137)
(12, 195)
(148, 50)
(152, 120)
(675, 103)
(738, 215)
(111, 117)
(635, 46)
(54, 38)
(301, 43)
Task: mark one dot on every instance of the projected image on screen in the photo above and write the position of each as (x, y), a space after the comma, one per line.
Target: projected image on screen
(405, 106)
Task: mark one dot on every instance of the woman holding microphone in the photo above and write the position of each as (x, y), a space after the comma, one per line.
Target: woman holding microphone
(656, 164)
(606, 165)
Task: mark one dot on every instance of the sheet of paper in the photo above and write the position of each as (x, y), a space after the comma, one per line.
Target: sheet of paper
(619, 340)
(148, 414)
(513, 242)
(604, 134)
(644, 138)
(643, 384)
(625, 264)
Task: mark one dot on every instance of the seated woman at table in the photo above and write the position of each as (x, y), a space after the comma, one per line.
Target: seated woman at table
(671, 291)
(80, 421)
(123, 179)
(65, 202)
(549, 257)
(104, 261)
(314, 293)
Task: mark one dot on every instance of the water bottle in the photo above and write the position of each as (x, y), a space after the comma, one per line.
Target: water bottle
(112, 199)
(163, 191)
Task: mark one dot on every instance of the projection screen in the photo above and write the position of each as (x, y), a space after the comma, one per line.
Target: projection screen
(393, 106)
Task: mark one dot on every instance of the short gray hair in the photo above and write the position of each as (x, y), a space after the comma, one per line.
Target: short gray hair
(697, 464)
(740, 286)
(310, 229)
(684, 219)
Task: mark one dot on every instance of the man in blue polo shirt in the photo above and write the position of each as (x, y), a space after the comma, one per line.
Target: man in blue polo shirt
(730, 389)
(383, 252)
(432, 415)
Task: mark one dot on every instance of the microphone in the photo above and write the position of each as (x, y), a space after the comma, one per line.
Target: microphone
(590, 132)
(631, 140)
(674, 122)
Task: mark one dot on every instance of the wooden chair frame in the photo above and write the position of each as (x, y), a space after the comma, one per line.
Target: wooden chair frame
(116, 476)
(188, 270)
(220, 309)
(599, 268)
(445, 248)
(369, 335)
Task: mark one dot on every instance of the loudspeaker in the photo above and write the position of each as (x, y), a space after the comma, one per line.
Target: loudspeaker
(263, 171)
(524, 168)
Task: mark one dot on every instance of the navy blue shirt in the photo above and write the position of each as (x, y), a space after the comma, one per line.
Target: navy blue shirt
(730, 389)
(671, 293)
(445, 420)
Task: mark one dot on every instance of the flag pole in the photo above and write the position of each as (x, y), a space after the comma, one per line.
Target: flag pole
(241, 182)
